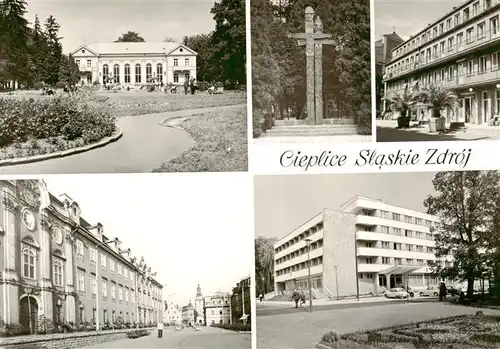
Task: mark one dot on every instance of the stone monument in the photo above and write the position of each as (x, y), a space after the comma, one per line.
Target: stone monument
(314, 39)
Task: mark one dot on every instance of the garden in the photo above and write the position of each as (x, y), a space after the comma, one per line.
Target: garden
(458, 332)
(37, 126)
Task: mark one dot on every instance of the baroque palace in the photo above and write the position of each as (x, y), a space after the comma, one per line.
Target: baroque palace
(130, 63)
(57, 266)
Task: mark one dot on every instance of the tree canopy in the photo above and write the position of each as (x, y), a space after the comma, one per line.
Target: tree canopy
(130, 36)
(264, 264)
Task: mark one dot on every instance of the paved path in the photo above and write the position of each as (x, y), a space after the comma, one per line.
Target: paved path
(308, 140)
(304, 330)
(145, 145)
(207, 338)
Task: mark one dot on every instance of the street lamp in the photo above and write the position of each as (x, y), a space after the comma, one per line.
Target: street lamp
(336, 281)
(308, 242)
(31, 291)
(356, 265)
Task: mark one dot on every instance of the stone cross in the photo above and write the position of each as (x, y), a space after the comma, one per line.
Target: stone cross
(314, 39)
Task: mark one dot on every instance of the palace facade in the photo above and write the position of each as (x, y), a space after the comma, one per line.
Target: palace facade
(135, 63)
(459, 51)
(218, 309)
(57, 266)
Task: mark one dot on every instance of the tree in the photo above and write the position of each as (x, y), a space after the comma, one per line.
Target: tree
(69, 73)
(467, 204)
(54, 50)
(229, 40)
(130, 36)
(264, 264)
(202, 44)
(169, 39)
(437, 98)
(402, 102)
(39, 51)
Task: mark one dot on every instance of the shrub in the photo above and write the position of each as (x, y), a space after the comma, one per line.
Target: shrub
(234, 327)
(329, 337)
(137, 333)
(67, 116)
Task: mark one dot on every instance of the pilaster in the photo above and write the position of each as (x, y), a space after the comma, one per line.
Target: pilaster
(69, 278)
(45, 266)
(318, 82)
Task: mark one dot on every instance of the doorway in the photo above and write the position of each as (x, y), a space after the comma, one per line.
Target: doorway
(28, 314)
(467, 108)
(486, 112)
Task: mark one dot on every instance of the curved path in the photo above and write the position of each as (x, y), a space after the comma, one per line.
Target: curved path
(145, 145)
(207, 338)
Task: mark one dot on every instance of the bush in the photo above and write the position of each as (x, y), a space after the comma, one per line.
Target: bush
(137, 333)
(234, 327)
(68, 116)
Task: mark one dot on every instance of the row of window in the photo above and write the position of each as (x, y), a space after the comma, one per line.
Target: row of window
(300, 252)
(400, 217)
(445, 26)
(449, 46)
(299, 266)
(399, 261)
(300, 237)
(176, 62)
(137, 73)
(399, 247)
(403, 232)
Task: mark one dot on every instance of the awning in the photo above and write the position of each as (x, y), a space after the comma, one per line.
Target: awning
(400, 269)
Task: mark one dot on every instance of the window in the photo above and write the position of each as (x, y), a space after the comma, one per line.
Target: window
(469, 35)
(103, 260)
(120, 294)
(126, 295)
(127, 73)
(176, 62)
(79, 247)
(93, 285)
(460, 38)
(125, 272)
(466, 14)
(450, 44)
(186, 62)
(105, 73)
(28, 263)
(89, 63)
(111, 264)
(448, 24)
(396, 216)
(113, 292)
(442, 46)
(369, 261)
(58, 272)
(186, 77)
(470, 67)
(494, 25)
(159, 71)
(451, 73)
(386, 244)
(386, 260)
(443, 74)
(482, 64)
(93, 254)
(77, 62)
(119, 268)
(475, 8)
(409, 247)
(480, 30)
(116, 73)
(457, 19)
(81, 281)
(398, 261)
(176, 77)
(384, 230)
(408, 233)
(149, 72)
(104, 290)
(397, 231)
(137, 73)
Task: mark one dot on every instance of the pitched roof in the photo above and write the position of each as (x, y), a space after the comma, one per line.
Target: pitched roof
(132, 47)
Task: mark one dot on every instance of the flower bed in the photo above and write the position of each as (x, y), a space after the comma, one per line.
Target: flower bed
(32, 126)
(234, 327)
(137, 333)
(460, 332)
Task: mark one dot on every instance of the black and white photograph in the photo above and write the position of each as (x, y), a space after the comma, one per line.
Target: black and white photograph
(396, 260)
(438, 77)
(122, 86)
(311, 71)
(85, 266)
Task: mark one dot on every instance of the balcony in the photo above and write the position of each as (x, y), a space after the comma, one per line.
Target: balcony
(480, 41)
(317, 269)
(386, 252)
(299, 259)
(367, 220)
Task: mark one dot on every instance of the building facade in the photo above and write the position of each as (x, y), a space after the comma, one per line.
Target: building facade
(58, 267)
(135, 63)
(459, 51)
(172, 313)
(199, 305)
(366, 244)
(383, 55)
(188, 314)
(218, 309)
(240, 302)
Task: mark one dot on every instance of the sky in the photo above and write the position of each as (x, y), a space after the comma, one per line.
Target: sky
(90, 21)
(282, 203)
(191, 228)
(408, 17)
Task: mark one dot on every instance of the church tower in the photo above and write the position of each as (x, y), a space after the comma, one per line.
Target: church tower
(199, 306)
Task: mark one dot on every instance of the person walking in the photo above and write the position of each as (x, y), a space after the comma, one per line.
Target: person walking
(193, 86)
(302, 298)
(186, 86)
(296, 297)
(442, 291)
(160, 329)
(261, 297)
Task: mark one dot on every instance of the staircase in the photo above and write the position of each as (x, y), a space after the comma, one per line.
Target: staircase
(299, 128)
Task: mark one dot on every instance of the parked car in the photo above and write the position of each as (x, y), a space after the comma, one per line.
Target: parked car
(453, 291)
(397, 293)
(431, 291)
(410, 291)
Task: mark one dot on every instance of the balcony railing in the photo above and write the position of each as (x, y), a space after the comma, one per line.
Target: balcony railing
(479, 40)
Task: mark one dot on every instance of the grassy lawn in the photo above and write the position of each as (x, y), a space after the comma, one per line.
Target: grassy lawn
(221, 143)
(459, 332)
(129, 103)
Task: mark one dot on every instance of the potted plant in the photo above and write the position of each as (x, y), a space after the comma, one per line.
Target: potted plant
(436, 97)
(402, 102)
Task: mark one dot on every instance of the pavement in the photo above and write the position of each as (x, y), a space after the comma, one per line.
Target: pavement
(207, 338)
(311, 140)
(303, 329)
(387, 131)
(145, 145)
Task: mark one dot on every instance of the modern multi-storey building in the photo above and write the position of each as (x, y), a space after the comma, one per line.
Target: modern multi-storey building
(218, 309)
(130, 63)
(363, 247)
(459, 51)
(57, 266)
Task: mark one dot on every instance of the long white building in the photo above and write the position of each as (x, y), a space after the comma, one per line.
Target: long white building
(135, 63)
(380, 245)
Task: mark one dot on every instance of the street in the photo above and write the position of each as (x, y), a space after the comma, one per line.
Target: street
(304, 330)
(207, 338)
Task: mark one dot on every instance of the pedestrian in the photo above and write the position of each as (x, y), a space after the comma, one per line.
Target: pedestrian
(261, 297)
(193, 86)
(160, 329)
(442, 291)
(186, 86)
(302, 298)
(296, 297)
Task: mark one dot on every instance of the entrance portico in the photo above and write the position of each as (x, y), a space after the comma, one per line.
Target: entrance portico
(396, 276)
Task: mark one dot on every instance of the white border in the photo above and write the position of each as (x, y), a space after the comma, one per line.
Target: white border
(373, 71)
(249, 83)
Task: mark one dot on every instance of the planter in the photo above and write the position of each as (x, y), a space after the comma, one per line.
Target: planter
(457, 126)
(437, 124)
(404, 121)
